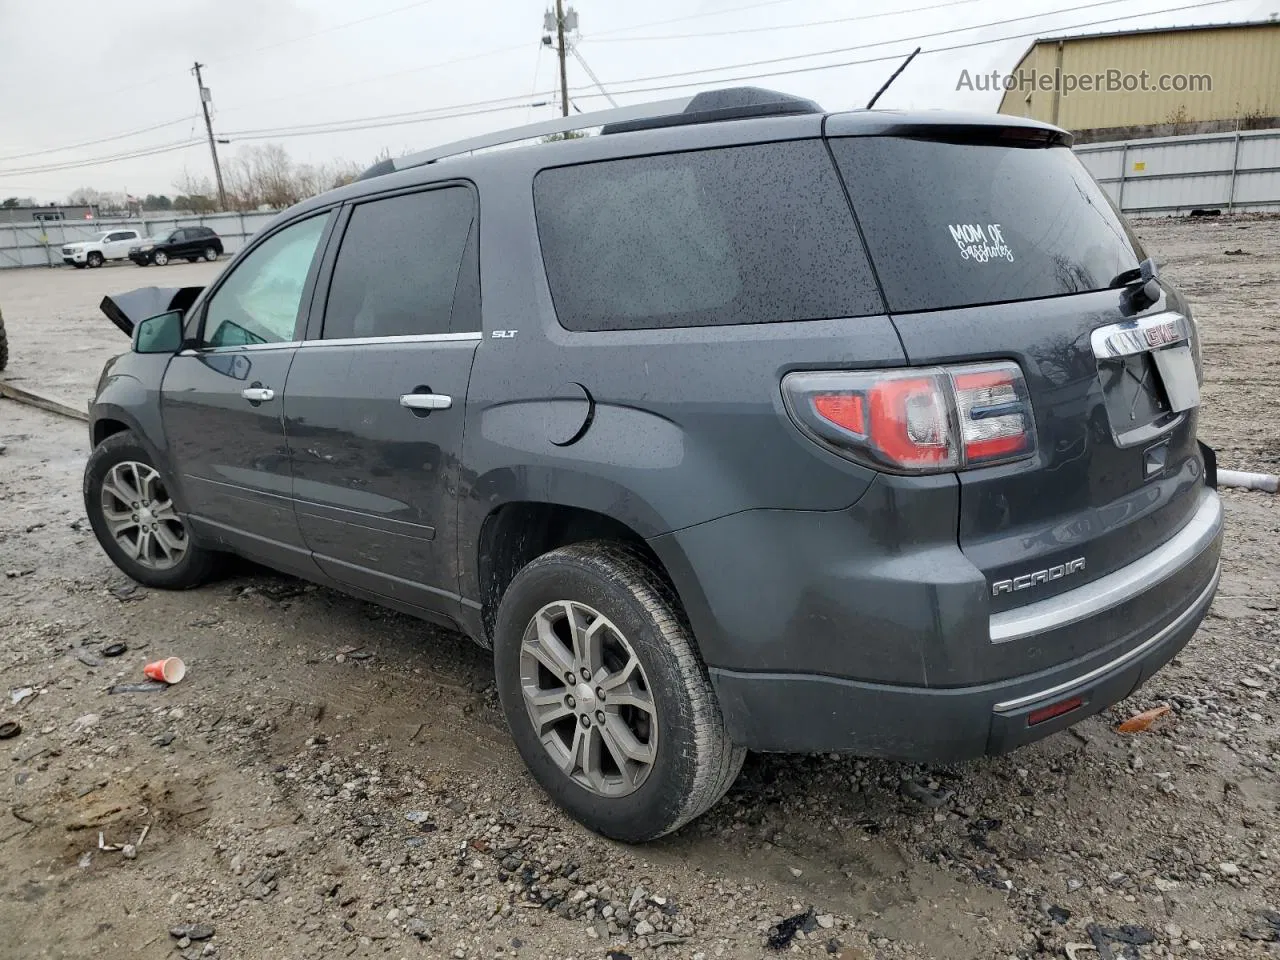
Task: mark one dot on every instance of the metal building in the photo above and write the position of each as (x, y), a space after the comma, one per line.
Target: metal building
(1151, 83)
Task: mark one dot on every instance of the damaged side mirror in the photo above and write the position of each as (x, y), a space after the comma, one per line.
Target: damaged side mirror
(159, 334)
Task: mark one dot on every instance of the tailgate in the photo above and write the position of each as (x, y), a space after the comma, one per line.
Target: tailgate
(989, 250)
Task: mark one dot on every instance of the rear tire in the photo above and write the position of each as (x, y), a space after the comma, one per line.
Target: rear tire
(693, 762)
(94, 259)
(210, 254)
(160, 258)
(4, 345)
(155, 548)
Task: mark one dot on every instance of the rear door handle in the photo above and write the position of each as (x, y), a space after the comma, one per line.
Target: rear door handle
(257, 394)
(426, 401)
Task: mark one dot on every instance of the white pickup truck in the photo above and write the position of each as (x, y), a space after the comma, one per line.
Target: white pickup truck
(107, 245)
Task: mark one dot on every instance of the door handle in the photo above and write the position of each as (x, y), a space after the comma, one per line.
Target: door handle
(426, 401)
(257, 394)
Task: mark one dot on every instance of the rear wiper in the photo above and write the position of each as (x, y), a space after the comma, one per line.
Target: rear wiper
(1140, 282)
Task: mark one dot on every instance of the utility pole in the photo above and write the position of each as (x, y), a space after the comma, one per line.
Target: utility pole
(208, 125)
(564, 76)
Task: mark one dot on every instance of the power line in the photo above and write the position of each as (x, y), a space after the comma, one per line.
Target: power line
(782, 26)
(331, 29)
(881, 59)
(913, 39)
(96, 161)
(90, 143)
(346, 84)
(694, 16)
(585, 92)
(287, 134)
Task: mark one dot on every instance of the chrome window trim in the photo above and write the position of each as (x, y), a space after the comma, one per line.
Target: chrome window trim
(406, 338)
(1117, 587)
(239, 348)
(1009, 706)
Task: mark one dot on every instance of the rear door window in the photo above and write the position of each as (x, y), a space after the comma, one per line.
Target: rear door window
(397, 269)
(752, 234)
(960, 224)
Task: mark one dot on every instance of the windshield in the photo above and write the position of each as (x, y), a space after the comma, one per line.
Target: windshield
(961, 224)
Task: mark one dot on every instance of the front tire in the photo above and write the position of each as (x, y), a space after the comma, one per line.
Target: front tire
(640, 748)
(160, 258)
(134, 517)
(94, 259)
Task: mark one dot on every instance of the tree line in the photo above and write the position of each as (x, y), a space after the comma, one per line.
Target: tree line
(256, 177)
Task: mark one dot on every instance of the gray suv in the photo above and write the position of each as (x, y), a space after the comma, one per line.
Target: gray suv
(736, 426)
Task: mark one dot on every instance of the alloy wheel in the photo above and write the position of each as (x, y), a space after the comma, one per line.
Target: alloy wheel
(588, 698)
(141, 517)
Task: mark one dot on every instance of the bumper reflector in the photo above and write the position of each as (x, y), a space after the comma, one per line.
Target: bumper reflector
(1053, 710)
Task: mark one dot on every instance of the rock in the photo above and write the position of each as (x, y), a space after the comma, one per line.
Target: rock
(1229, 869)
(921, 793)
(184, 942)
(1073, 885)
(797, 872)
(129, 851)
(1173, 931)
(644, 928)
(826, 921)
(419, 929)
(192, 931)
(637, 898)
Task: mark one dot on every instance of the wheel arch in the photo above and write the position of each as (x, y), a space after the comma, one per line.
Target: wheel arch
(516, 532)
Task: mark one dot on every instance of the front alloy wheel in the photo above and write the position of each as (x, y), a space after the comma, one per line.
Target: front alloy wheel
(588, 698)
(159, 258)
(140, 515)
(133, 515)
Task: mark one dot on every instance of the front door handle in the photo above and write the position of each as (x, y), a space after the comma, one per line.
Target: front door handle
(426, 401)
(257, 394)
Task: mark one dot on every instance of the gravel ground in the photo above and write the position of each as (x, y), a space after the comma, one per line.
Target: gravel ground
(335, 780)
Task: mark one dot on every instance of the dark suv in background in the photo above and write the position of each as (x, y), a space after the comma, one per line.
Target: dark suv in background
(189, 243)
(737, 426)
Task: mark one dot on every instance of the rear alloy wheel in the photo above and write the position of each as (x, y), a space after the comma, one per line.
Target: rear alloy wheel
(135, 519)
(94, 259)
(605, 695)
(159, 258)
(210, 254)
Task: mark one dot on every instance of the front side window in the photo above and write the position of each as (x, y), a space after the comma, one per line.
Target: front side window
(751, 234)
(260, 301)
(397, 269)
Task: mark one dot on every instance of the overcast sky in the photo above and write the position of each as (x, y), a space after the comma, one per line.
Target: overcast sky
(86, 70)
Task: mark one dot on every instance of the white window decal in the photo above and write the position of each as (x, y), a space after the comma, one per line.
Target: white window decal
(980, 243)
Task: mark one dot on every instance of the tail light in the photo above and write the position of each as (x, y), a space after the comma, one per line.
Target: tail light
(916, 420)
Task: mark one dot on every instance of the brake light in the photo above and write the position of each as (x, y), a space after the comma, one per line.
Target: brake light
(916, 421)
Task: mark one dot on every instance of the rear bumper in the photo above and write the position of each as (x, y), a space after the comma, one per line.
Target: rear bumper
(799, 714)
(826, 639)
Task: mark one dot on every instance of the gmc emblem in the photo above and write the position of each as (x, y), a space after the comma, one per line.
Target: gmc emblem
(1163, 334)
(1028, 580)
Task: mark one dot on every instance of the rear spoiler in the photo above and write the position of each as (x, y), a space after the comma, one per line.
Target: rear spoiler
(947, 126)
(127, 310)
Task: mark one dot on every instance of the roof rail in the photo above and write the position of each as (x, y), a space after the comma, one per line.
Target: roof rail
(582, 121)
(728, 104)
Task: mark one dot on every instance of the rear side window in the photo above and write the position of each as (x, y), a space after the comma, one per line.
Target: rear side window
(397, 269)
(754, 234)
(958, 224)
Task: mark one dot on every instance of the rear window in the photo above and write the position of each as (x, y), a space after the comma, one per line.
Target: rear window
(957, 224)
(753, 234)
